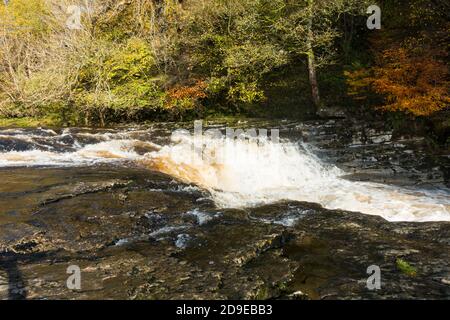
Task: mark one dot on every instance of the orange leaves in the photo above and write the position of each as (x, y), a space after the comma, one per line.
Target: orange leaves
(196, 91)
(412, 77)
(413, 82)
(186, 97)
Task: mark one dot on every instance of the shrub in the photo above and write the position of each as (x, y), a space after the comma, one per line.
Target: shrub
(118, 80)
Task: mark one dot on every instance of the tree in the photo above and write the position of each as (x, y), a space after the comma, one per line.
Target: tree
(410, 73)
(23, 26)
(413, 78)
(228, 43)
(309, 28)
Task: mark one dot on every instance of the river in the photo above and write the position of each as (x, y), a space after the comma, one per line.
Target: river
(139, 208)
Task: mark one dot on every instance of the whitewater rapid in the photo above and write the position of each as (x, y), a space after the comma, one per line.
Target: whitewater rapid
(45, 147)
(237, 173)
(242, 173)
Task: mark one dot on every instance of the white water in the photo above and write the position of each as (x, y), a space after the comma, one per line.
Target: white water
(107, 151)
(50, 149)
(243, 173)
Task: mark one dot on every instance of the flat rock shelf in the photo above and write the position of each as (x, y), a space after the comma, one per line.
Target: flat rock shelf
(137, 233)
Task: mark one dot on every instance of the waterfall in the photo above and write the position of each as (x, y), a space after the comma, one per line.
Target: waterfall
(237, 172)
(240, 173)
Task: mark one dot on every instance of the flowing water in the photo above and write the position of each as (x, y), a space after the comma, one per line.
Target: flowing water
(147, 214)
(237, 173)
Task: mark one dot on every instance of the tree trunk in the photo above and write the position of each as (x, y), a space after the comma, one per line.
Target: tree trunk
(86, 119)
(311, 62)
(102, 118)
(313, 80)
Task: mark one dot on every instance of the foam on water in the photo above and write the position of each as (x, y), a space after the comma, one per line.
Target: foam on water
(242, 173)
(43, 147)
(107, 151)
(237, 173)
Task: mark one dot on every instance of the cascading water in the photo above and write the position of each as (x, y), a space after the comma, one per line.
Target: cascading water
(41, 147)
(241, 173)
(237, 173)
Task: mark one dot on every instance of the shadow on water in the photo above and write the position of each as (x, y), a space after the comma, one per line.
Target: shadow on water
(16, 283)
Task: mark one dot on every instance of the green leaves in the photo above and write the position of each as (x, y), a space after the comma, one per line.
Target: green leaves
(232, 43)
(119, 78)
(132, 61)
(405, 268)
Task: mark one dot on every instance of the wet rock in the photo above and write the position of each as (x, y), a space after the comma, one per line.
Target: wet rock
(70, 191)
(133, 233)
(11, 143)
(142, 148)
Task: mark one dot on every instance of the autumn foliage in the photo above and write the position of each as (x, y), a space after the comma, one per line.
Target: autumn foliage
(413, 83)
(196, 91)
(186, 97)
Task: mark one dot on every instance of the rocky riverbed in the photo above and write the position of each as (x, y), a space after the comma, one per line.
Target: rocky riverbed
(137, 233)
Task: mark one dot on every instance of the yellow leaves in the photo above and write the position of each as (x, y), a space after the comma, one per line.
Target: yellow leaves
(24, 17)
(133, 60)
(358, 82)
(246, 92)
